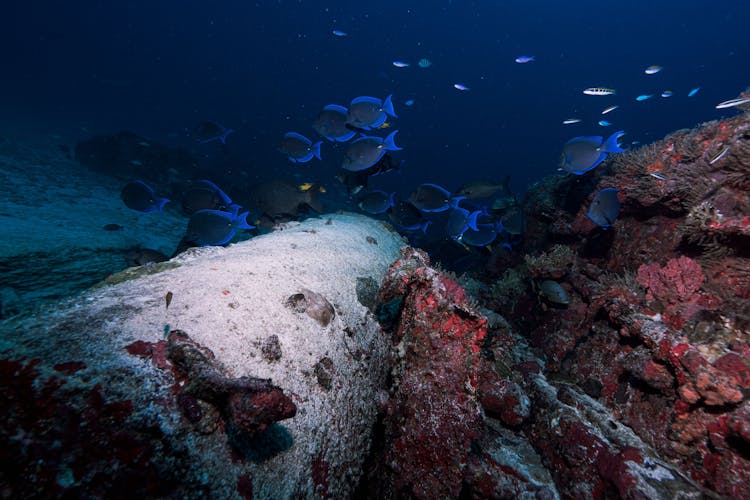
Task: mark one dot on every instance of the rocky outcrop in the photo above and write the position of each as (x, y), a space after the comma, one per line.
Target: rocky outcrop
(201, 378)
(656, 331)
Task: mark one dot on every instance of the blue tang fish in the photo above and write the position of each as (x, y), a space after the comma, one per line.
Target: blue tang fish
(485, 233)
(299, 148)
(205, 195)
(139, 196)
(604, 208)
(376, 202)
(369, 112)
(431, 198)
(331, 124)
(215, 227)
(366, 151)
(459, 220)
(407, 217)
(582, 154)
(211, 131)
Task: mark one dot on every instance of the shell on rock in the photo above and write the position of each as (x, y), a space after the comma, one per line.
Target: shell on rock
(314, 304)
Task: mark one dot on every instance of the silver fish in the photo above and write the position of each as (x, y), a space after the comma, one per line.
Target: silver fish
(721, 155)
(733, 102)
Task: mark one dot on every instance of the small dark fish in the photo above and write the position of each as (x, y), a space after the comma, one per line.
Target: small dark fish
(214, 227)
(142, 256)
(277, 198)
(331, 124)
(298, 148)
(208, 131)
(366, 151)
(604, 208)
(552, 291)
(503, 203)
(430, 198)
(112, 227)
(168, 299)
(482, 189)
(354, 181)
(205, 195)
(582, 154)
(367, 112)
(376, 202)
(385, 164)
(407, 217)
(138, 196)
(514, 222)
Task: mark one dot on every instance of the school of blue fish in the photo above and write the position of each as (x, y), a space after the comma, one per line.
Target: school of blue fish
(478, 214)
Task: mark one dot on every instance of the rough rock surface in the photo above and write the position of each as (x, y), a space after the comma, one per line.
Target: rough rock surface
(170, 382)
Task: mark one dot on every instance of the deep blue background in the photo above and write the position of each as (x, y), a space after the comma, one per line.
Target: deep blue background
(264, 68)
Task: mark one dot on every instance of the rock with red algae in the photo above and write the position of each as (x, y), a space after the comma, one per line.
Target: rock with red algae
(433, 415)
(246, 403)
(590, 455)
(505, 400)
(675, 283)
(63, 439)
(505, 465)
(663, 347)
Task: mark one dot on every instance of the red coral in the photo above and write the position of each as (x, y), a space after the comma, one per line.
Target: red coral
(676, 282)
(433, 417)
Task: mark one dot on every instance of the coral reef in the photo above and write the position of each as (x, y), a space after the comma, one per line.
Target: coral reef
(657, 329)
(593, 364)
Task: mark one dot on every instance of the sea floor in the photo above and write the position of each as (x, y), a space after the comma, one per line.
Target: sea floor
(53, 240)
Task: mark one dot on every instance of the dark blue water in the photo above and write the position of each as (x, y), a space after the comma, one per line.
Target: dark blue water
(265, 68)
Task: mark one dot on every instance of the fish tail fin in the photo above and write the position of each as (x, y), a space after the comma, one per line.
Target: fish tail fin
(223, 137)
(316, 150)
(425, 224)
(241, 220)
(161, 202)
(388, 106)
(455, 201)
(611, 145)
(313, 198)
(234, 208)
(390, 142)
(472, 220)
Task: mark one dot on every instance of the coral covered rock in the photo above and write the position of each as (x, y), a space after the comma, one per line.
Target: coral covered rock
(433, 415)
(657, 324)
